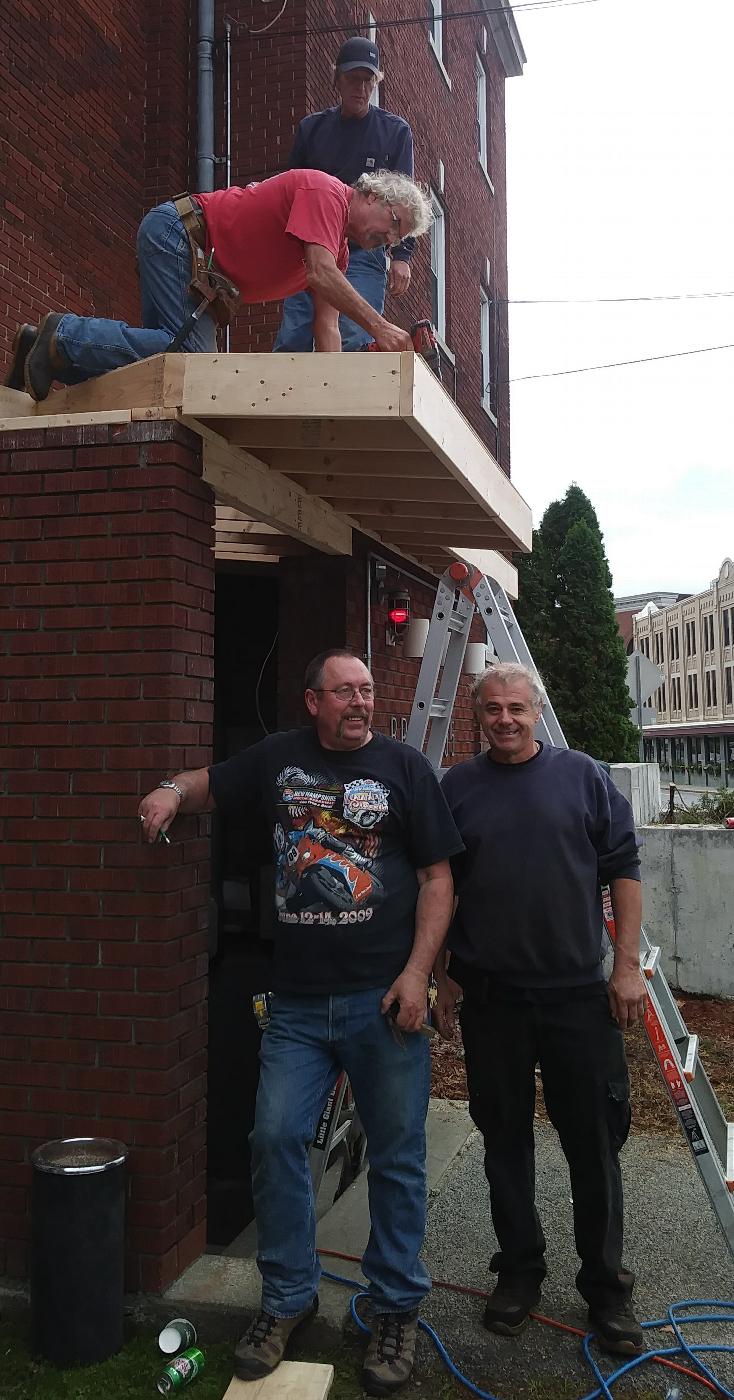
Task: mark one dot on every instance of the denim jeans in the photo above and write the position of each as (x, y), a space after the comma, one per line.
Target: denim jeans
(93, 345)
(309, 1039)
(367, 273)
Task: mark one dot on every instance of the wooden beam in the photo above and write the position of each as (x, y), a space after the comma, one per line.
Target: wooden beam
(15, 403)
(415, 539)
(153, 383)
(367, 489)
(238, 480)
(397, 512)
(292, 386)
(317, 435)
(237, 556)
(271, 544)
(241, 526)
(372, 463)
(292, 1380)
(436, 420)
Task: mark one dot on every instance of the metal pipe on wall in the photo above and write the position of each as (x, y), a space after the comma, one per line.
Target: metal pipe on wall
(205, 97)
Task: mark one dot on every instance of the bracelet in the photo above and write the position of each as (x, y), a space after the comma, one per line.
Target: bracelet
(169, 783)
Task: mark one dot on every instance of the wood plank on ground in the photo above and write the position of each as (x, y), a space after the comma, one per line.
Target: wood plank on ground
(292, 1380)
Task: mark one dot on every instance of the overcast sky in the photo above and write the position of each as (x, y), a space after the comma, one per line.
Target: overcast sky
(620, 138)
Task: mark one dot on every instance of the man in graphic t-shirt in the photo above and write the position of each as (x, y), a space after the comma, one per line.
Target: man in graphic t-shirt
(544, 828)
(263, 241)
(362, 839)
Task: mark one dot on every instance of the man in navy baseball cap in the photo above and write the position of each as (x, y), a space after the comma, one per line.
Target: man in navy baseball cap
(358, 53)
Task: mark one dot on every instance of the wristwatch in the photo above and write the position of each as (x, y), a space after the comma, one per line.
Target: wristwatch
(169, 783)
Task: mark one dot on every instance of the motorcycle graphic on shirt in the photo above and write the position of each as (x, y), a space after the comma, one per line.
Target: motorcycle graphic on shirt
(327, 848)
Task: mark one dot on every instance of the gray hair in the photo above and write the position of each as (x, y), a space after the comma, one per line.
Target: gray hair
(507, 673)
(394, 188)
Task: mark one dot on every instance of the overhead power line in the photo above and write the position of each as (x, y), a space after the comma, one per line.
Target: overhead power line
(619, 364)
(527, 6)
(602, 301)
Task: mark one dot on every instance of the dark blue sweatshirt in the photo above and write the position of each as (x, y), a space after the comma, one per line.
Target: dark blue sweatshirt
(541, 838)
(348, 149)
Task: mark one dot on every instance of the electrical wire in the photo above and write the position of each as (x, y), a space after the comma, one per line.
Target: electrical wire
(517, 5)
(258, 683)
(617, 364)
(608, 301)
(697, 1371)
(268, 26)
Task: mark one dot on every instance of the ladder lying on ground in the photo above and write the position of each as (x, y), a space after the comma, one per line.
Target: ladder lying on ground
(462, 590)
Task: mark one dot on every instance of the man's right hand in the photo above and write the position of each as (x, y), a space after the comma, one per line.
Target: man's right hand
(449, 997)
(157, 811)
(390, 337)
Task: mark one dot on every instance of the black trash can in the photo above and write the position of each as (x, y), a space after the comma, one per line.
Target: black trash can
(77, 1250)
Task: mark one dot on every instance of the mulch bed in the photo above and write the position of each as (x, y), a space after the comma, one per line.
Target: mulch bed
(711, 1019)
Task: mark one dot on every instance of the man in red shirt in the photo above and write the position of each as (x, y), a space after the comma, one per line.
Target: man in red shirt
(269, 240)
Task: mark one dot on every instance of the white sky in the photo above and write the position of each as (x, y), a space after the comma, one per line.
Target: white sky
(620, 139)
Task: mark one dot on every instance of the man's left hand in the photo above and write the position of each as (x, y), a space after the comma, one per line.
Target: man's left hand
(399, 279)
(627, 995)
(410, 990)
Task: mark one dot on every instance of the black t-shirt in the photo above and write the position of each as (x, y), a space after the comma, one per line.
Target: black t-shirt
(350, 829)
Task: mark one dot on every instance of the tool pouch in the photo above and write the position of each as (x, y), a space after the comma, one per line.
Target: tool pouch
(207, 283)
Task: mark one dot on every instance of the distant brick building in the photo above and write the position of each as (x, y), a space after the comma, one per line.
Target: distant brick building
(117, 615)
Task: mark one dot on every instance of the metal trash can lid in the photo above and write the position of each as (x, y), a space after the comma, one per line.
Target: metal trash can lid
(79, 1156)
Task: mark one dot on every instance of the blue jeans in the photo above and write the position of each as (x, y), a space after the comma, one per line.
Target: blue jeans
(309, 1039)
(93, 345)
(367, 273)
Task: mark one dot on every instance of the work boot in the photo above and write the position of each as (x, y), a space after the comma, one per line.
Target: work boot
(391, 1352)
(263, 1346)
(43, 360)
(22, 342)
(615, 1327)
(510, 1303)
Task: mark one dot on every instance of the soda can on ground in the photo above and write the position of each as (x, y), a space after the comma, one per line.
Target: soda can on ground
(180, 1372)
(177, 1336)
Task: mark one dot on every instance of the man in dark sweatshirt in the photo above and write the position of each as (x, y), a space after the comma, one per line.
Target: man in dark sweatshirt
(544, 829)
(351, 139)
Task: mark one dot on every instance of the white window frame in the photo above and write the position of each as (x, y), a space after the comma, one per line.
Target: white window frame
(372, 36)
(481, 85)
(435, 35)
(438, 263)
(485, 329)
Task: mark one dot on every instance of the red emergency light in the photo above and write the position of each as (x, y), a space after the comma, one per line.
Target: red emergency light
(398, 613)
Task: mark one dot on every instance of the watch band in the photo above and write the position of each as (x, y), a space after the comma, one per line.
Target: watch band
(169, 783)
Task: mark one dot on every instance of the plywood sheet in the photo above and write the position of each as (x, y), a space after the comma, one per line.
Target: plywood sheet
(292, 1380)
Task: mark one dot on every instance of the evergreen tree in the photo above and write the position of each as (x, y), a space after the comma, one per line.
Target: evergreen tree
(566, 611)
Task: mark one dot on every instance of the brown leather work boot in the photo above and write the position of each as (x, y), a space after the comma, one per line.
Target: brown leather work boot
(43, 360)
(22, 342)
(263, 1346)
(510, 1303)
(391, 1352)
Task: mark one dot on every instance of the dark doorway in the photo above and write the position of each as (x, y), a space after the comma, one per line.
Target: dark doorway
(245, 671)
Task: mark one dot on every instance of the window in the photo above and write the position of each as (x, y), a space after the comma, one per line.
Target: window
(372, 36)
(435, 28)
(482, 152)
(693, 691)
(690, 639)
(438, 267)
(728, 694)
(710, 689)
(485, 313)
(726, 618)
(707, 623)
(673, 644)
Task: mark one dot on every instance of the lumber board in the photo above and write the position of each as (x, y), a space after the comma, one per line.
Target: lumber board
(292, 386)
(153, 383)
(318, 434)
(292, 1380)
(238, 480)
(370, 463)
(359, 490)
(15, 403)
(436, 420)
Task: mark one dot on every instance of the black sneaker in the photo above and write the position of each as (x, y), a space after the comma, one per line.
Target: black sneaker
(509, 1305)
(615, 1327)
(263, 1346)
(391, 1352)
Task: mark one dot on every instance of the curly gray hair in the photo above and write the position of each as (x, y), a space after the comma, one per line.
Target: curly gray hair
(508, 673)
(393, 188)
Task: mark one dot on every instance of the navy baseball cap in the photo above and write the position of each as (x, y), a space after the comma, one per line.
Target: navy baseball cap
(358, 53)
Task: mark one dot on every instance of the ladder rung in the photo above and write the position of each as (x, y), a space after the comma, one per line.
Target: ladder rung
(689, 1064)
(650, 962)
(730, 1156)
(438, 709)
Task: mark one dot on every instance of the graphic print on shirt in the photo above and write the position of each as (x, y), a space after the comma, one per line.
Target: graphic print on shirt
(327, 847)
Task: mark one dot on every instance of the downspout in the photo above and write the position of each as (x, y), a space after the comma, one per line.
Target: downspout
(228, 121)
(205, 97)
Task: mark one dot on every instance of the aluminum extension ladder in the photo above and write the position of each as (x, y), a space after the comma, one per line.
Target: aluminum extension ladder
(461, 590)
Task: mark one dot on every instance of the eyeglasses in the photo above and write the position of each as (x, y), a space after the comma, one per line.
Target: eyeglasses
(345, 693)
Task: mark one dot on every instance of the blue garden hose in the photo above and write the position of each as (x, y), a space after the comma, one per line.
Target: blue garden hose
(689, 1350)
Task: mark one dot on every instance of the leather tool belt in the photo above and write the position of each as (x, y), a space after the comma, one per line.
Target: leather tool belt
(207, 281)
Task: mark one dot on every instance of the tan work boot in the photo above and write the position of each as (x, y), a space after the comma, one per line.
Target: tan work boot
(391, 1352)
(24, 338)
(44, 359)
(263, 1346)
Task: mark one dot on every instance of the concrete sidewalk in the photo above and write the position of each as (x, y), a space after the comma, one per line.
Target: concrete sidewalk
(673, 1243)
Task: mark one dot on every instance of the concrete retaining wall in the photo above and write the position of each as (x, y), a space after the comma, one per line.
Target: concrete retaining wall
(640, 784)
(688, 899)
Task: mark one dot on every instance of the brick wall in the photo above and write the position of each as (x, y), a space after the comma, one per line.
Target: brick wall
(107, 577)
(94, 126)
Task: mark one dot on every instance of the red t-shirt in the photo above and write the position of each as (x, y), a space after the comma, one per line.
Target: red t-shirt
(258, 232)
